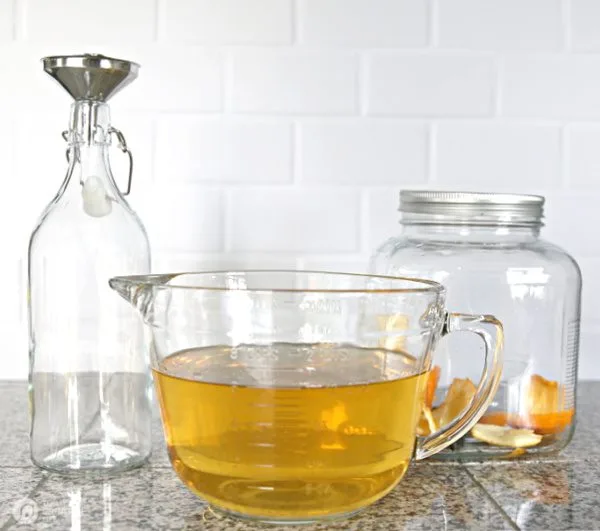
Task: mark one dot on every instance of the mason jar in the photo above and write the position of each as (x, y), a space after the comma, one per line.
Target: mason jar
(486, 249)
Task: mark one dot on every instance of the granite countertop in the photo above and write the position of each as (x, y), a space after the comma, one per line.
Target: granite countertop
(560, 493)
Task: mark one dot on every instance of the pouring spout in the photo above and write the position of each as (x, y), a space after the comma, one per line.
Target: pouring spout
(125, 286)
(140, 291)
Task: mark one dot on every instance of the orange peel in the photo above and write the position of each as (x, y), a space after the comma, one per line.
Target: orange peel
(427, 423)
(542, 411)
(505, 436)
(459, 396)
(432, 382)
(543, 407)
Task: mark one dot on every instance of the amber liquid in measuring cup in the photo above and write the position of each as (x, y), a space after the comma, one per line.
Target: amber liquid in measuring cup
(290, 431)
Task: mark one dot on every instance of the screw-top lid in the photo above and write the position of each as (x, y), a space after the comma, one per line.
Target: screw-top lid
(481, 208)
(90, 76)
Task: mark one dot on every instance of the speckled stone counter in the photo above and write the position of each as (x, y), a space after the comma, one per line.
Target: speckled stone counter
(561, 493)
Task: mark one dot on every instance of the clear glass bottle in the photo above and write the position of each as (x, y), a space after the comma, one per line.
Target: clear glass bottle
(89, 380)
(487, 251)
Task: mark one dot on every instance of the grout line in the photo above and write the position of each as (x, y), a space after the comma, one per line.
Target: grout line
(227, 216)
(433, 29)
(191, 114)
(159, 17)
(566, 25)
(15, 10)
(153, 147)
(363, 227)
(362, 78)
(227, 82)
(424, 50)
(427, 163)
(565, 155)
(497, 88)
(432, 176)
(296, 154)
(295, 22)
(491, 499)
(18, 19)
(295, 151)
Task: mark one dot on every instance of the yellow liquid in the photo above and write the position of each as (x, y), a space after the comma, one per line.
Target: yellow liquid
(290, 432)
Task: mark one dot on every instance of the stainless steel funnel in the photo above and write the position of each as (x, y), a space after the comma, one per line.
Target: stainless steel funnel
(91, 77)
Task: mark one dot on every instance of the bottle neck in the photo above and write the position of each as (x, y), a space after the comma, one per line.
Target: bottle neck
(89, 178)
(89, 139)
(89, 123)
(465, 233)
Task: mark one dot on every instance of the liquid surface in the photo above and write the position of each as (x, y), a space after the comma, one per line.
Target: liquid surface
(290, 432)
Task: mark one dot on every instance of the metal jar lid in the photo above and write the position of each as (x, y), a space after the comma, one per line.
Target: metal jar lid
(477, 208)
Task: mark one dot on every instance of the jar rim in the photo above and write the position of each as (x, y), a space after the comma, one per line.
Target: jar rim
(481, 208)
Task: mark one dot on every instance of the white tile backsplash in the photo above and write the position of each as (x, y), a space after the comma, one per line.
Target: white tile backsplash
(223, 150)
(429, 85)
(583, 156)
(184, 218)
(176, 79)
(501, 24)
(7, 21)
(278, 133)
(228, 21)
(382, 217)
(551, 87)
(294, 82)
(379, 23)
(73, 21)
(571, 223)
(293, 220)
(362, 152)
(584, 18)
(498, 155)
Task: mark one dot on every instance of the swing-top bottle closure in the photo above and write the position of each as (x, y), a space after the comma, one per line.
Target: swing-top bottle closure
(91, 80)
(90, 409)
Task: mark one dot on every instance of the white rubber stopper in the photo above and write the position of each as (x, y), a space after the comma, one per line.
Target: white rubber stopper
(95, 200)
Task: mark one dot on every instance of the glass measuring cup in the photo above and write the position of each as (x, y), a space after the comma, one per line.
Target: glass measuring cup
(290, 396)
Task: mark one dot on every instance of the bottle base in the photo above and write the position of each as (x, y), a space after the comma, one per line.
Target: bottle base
(93, 457)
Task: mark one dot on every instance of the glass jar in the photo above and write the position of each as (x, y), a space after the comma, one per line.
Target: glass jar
(89, 380)
(486, 250)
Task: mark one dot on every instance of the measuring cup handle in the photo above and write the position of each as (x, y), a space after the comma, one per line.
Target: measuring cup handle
(490, 330)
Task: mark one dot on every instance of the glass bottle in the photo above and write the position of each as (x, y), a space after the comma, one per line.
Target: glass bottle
(89, 383)
(487, 251)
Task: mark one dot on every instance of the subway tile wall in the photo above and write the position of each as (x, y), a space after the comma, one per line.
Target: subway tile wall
(277, 133)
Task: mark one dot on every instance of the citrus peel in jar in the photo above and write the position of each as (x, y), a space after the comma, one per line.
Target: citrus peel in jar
(459, 396)
(505, 436)
(427, 423)
(432, 383)
(544, 407)
(542, 411)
